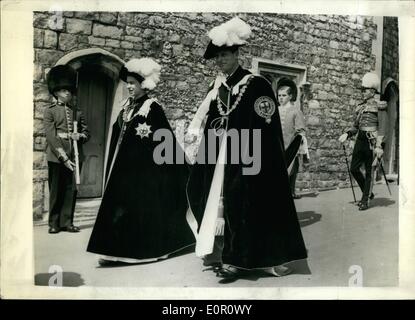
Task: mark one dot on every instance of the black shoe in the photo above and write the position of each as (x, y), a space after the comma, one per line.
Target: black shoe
(71, 229)
(296, 196)
(229, 272)
(363, 206)
(54, 230)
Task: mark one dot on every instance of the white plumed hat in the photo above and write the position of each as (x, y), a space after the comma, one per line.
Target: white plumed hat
(230, 34)
(371, 81)
(145, 70)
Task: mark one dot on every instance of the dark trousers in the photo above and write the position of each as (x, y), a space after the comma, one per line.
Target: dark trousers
(215, 257)
(62, 195)
(362, 156)
(293, 174)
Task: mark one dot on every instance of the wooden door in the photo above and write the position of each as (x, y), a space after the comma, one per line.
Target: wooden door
(95, 94)
(391, 154)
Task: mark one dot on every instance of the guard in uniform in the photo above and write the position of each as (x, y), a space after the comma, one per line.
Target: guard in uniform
(254, 211)
(58, 123)
(370, 130)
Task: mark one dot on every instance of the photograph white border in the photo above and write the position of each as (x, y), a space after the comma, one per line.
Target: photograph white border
(17, 53)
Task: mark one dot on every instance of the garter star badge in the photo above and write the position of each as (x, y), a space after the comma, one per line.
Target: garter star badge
(143, 130)
(265, 107)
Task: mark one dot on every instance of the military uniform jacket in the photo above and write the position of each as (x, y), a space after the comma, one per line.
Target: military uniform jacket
(58, 122)
(371, 116)
(261, 225)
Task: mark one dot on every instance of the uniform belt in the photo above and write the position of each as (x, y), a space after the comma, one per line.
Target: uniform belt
(368, 129)
(63, 135)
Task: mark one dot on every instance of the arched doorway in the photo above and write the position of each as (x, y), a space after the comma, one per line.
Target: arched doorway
(97, 85)
(94, 97)
(391, 151)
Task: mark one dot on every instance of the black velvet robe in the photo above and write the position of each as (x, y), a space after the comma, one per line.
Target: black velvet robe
(143, 210)
(261, 225)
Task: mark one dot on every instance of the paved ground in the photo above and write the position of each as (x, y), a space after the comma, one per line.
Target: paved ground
(340, 240)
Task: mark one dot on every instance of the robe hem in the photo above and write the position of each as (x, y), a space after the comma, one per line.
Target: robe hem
(134, 260)
(263, 268)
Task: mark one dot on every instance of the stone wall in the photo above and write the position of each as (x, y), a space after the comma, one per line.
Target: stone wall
(336, 50)
(390, 61)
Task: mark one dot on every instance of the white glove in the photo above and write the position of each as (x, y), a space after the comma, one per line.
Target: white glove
(379, 152)
(75, 136)
(343, 137)
(69, 164)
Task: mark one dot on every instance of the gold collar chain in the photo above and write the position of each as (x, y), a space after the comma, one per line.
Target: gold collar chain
(127, 110)
(224, 113)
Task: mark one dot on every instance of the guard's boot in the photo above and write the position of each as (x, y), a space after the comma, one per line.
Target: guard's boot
(363, 205)
(371, 197)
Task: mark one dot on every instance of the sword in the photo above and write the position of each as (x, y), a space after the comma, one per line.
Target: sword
(375, 162)
(76, 152)
(384, 176)
(348, 170)
(378, 162)
(372, 175)
(75, 143)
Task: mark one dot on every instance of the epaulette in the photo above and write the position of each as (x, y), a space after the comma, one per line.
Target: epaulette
(373, 106)
(55, 103)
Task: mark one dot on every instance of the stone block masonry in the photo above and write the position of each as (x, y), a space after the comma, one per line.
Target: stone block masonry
(335, 50)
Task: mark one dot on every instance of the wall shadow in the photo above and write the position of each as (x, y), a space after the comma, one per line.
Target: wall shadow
(309, 195)
(299, 267)
(308, 217)
(86, 226)
(382, 202)
(69, 279)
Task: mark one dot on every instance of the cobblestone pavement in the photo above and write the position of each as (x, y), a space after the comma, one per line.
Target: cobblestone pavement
(340, 240)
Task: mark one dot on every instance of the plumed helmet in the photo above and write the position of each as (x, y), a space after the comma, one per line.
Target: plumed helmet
(371, 81)
(61, 77)
(145, 70)
(229, 35)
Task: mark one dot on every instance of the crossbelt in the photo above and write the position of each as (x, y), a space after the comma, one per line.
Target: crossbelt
(368, 129)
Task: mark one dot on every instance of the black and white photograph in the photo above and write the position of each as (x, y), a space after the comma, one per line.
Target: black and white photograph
(205, 148)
